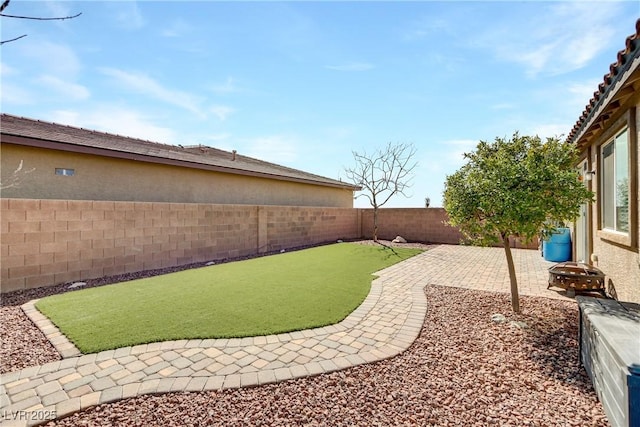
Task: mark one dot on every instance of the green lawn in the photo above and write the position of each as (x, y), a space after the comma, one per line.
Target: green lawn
(279, 293)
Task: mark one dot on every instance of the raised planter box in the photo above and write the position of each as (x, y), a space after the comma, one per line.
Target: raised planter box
(610, 353)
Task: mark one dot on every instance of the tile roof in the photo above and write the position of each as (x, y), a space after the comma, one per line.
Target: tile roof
(196, 156)
(616, 70)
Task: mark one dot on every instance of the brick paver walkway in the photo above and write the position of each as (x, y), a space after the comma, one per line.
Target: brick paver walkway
(383, 326)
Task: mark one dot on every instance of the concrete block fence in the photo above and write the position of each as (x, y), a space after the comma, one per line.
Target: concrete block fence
(46, 242)
(414, 224)
(420, 225)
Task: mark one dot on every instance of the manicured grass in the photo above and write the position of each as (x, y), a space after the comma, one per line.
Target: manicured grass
(279, 293)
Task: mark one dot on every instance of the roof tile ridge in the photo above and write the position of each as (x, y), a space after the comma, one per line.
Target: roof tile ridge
(632, 42)
(93, 131)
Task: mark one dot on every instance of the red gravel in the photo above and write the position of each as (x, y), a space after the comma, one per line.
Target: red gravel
(463, 370)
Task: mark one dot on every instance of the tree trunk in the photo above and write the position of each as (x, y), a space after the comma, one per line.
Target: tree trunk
(375, 224)
(515, 298)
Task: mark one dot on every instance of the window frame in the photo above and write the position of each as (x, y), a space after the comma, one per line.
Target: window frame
(609, 182)
(64, 172)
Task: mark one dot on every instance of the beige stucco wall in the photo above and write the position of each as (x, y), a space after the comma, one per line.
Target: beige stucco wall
(614, 254)
(102, 178)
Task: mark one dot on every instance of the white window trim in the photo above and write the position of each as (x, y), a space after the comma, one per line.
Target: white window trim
(607, 232)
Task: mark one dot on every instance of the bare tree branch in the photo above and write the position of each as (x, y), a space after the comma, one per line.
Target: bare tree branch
(15, 178)
(383, 174)
(5, 4)
(36, 18)
(13, 39)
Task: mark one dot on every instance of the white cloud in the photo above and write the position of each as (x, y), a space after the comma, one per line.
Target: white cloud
(338, 133)
(222, 112)
(425, 27)
(127, 14)
(67, 89)
(455, 150)
(6, 70)
(58, 59)
(580, 93)
(14, 95)
(216, 138)
(177, 28)
(549, 130)
(229, 86)
(116, 120)
(561, 38)
(145, 85)
(351, 66)
(502, 106)
(59, 9)
(280, 149)
(445, 157)
(461, 142)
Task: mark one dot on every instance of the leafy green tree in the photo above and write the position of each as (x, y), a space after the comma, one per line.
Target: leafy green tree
(514, 187)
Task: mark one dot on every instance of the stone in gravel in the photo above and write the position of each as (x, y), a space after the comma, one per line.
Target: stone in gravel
(519, 325)
(399, 239)
(210, 263)
(498, 318)
(77, 285)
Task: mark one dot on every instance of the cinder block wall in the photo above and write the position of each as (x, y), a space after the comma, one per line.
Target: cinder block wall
(298, 226)
(421, 225)
(414, 224)
(45, 242)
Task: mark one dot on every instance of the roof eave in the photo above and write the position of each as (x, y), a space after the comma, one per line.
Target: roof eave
(621, 77)
(606, 99)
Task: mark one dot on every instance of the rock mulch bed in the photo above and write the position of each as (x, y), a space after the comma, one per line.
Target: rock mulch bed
(463, 370)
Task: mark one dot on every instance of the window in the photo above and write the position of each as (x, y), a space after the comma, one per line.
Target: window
(65, 172)
(615, 183)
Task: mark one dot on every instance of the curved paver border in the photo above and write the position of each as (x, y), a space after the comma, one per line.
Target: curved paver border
(62, 345)
(384, 325)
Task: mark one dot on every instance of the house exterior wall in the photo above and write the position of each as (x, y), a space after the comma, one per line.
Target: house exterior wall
(45, 242)
(616, 254)
(112, 179)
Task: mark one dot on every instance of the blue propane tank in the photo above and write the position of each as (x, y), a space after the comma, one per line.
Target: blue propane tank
(557, 247)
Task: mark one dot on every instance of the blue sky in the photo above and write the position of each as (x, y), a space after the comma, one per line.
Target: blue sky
(303, 84)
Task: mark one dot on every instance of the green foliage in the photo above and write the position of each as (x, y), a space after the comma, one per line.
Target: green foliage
(260, 296)
(515, 187)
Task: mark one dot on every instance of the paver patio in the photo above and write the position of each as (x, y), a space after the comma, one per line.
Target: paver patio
(385, 325)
